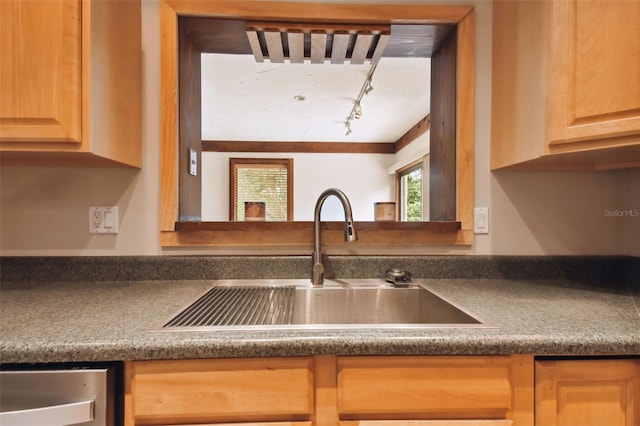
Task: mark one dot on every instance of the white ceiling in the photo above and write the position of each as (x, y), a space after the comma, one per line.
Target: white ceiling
(245, 100)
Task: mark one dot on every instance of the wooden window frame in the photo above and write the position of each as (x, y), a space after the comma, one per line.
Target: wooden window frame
(233, 187)
(399, 173)
(294, 237)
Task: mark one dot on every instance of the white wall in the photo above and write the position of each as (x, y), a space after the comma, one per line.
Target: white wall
(563, 213)
(631, 207)
(418, 148)
(43, 211)
(363, 178)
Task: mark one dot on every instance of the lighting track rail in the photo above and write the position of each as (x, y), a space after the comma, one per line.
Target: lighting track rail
(356, 111)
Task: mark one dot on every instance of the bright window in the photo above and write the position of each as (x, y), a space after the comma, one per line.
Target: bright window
(262, 186)
(410, 192)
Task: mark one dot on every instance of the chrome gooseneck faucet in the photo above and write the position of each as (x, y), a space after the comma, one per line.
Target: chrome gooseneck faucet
(317, 275)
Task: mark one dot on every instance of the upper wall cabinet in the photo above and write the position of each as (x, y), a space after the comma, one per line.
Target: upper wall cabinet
(566, 85)
(70, 80)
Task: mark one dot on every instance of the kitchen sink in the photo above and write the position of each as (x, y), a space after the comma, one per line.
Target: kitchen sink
(412, 305)
(285, 304)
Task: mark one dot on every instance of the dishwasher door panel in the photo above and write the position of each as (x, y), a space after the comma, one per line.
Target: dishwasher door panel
(82, 397)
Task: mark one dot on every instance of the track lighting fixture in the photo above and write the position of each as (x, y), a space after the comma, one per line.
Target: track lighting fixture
(356, 111)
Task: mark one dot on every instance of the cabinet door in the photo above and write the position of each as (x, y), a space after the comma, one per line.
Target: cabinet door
(433, 387)
(594, 78)
(428, 423)
(222, 390)
(40, 74)
(588, 393)
(256, 424)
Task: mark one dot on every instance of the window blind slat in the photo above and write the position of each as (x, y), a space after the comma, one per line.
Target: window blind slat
(267, 184)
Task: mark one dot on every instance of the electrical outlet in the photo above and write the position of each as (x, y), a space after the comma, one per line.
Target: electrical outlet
(103, 220)
(95, 220)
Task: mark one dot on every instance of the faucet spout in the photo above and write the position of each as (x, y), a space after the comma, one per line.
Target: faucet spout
(317, 275)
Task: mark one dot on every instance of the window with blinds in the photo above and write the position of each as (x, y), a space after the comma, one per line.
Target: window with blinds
(261, 189)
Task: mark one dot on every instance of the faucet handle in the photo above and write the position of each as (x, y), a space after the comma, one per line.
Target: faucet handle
(398, 277)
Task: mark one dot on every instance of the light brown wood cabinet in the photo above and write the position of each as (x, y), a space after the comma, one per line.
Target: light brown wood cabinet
(487, 388)
(330, 390)
(70, 80)
(219, 391)
(383, 391)
(588, 392)
(428, 423)
(566, 84)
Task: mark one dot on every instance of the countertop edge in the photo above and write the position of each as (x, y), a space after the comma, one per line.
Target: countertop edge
(11, 352)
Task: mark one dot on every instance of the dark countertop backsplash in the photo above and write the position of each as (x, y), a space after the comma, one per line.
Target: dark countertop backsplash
(623, 270)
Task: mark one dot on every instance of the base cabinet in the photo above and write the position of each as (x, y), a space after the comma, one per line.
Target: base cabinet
(255, 424)
(332, 391)
(256, 391)
(481, 390)
(587, 392)
(428, 423)
(384, 391)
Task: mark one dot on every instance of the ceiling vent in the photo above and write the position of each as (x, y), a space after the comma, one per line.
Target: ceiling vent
(295, 42)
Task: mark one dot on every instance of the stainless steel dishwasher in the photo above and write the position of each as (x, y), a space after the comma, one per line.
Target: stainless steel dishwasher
(66, 395)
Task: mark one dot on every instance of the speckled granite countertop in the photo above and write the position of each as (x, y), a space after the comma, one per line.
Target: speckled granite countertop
(105, 321)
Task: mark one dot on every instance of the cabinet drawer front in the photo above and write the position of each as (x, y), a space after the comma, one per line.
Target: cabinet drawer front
(424, 387)
(269, 424)
(427, 423)
(222, 390)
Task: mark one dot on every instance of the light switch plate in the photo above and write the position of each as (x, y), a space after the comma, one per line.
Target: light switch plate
(103, 220)
(481, 220)
(193, 162)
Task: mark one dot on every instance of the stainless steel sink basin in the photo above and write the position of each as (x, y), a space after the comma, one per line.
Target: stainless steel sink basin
(413, 305)
(285, 304)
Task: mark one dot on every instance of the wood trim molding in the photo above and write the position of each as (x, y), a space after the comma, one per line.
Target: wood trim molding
(443, 135)
(443, 227)
(300, 235)
(322, 12)
(465, 131)
(168, 117)
(413, 133)
(308, 147)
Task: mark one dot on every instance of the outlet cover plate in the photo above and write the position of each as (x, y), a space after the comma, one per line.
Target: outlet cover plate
(103, 220)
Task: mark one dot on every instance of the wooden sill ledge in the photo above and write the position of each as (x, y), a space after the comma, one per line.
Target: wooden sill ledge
(266, 234)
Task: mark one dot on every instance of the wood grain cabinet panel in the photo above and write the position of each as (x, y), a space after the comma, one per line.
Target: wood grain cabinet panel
(70, 80)
(41, 84)
(566, 84)
(255, 424)
(588, 393)
(222, 390)
(427, 423)
(594, 73)
(451, 388)
(333, 390)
